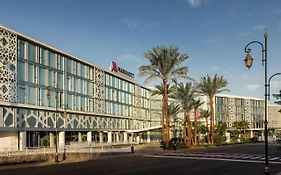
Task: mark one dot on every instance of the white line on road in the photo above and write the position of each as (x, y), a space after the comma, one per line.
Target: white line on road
(209, 158)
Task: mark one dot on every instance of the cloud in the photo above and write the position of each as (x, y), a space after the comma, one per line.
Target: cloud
(259, 27)
(252, 87)
(244, 33)
(138, 24)
(194, 3)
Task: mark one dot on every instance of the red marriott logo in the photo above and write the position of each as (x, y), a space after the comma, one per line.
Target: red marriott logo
(115, 68)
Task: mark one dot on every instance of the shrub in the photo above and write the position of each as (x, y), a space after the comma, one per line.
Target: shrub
(219, 139)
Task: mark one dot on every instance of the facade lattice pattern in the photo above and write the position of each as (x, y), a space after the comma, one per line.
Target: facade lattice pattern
(99, 91)
(8, 57)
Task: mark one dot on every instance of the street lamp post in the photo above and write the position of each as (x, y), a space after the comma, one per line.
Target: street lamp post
(56, 125)
(56, 129)
(65, 115)
(248, 63)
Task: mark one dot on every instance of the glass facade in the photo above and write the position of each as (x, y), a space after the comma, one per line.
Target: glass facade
(48, 78)
(230, 109)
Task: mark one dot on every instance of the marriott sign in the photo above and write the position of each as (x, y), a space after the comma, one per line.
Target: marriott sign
(114, 68)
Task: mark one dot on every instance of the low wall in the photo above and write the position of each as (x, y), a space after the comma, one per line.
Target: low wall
(19, 159)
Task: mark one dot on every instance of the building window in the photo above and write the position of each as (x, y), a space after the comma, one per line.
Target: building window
(21, 94)
(31, 73)
(60, 62)
(20, 71)
(31, 95)
(69, 65)
(21, 49)
(69, 101)
(60, 80)
(43, 97)
(52, 60)
(51, 78)
(42, 76)
(31, 52)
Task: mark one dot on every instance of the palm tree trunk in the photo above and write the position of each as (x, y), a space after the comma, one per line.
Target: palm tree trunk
(195, 127)
(167, 122)
(166, 112)
(188, 130)
(163, 122)
(184, 129)
(208, 134)
(212, 120)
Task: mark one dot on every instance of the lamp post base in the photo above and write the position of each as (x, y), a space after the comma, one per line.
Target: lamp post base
(64, 153)
(56, 158)
(266, 170)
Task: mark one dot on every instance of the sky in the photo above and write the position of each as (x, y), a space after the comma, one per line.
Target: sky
(212, 32)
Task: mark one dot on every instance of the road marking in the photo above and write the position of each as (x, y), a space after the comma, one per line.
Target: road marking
(275, 158)
(210, 158)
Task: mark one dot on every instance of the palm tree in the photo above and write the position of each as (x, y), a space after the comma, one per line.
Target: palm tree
(165, 64)
(173, 110)
(210, 86)
(241, 125)
(206, 114)
(185, 94)
(159, 90)
(196, 104)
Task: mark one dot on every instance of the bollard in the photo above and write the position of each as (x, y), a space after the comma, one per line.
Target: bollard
(132, 149)
(64, 153)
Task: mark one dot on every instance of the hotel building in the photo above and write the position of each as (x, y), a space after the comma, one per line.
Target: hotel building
(45, 92)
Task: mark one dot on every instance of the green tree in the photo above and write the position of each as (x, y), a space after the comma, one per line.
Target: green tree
(164, 64)
(278, 97)
(241, 126)
(173, 110)
(220, 130)
(205, 113)
(210, 86)
(159, 90)
(196, 104)
(185, 95)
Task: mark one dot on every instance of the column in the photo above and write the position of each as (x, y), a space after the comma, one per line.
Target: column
(117, 137)
(61, 138)
(131, 137)
(22, 140)
(138, 138)
(125, 137)
(252, 134)
(109, 137)
(148, 136)
(101, 137)
(52, 139)
(89, 136)
(141, 137)
(79, 137)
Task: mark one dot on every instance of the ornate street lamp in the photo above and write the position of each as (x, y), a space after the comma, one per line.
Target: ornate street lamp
(248, 63)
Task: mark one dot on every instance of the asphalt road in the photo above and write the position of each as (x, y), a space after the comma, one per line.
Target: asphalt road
(138, 164)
